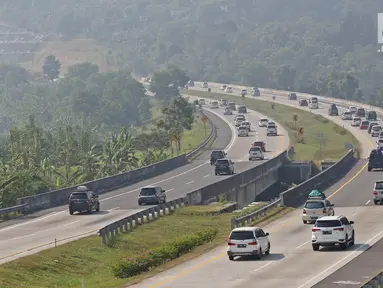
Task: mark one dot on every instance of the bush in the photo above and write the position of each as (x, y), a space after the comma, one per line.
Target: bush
(160, 255)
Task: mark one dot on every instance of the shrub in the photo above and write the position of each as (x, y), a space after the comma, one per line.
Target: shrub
(162, 254)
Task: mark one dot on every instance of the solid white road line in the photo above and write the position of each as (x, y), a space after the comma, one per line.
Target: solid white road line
(71, 223)
(189, 182)
(303, 244)
(368, 202)
(115, 208)
(206, 176)
(25, 236)
(264, 266)
(170, 190)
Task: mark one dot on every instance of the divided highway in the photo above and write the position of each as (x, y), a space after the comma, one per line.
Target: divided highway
(292, 262)
(37, 231)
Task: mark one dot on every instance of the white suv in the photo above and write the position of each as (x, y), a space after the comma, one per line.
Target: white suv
(317, 208)
(331, 231)
(256, 153)
(243, 131)
(271, 129)
(248, 241)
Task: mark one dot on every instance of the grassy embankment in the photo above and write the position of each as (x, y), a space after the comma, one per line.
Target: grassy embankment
(87, 259)
(335, 136)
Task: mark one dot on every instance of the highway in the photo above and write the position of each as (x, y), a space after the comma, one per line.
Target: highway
(37, 231)
(292, 262)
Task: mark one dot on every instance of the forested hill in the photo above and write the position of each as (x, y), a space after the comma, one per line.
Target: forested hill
(326, 47)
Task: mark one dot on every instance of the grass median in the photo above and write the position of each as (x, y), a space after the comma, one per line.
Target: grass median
(88, 260)
(307, 146)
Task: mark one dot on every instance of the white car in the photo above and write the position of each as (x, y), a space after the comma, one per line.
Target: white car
(229, 89)
(201, 101)
(356, 121)
(243, 131)
(238, 122)
(204, 85)
(256, 153)
(271, 129)
(380, 135)
(315, 209)
(375, 130)
(248, 241)
(223, 87)
(214, 105)
(331, 231)
(352, 109)
(346, 115)
(247, 124)
(263, 122)
(379, 143)
(243, 92)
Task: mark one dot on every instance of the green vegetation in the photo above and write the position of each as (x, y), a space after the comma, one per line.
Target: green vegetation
(87, 125)
(87, 259)
(307, 146)
(309, 46)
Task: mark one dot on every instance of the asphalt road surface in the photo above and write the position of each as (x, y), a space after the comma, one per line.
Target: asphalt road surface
(37, 231)
(292, 262)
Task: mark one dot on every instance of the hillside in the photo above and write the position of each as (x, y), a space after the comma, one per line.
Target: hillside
(325, 47)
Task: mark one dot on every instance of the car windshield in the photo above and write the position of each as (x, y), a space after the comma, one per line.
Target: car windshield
(223, 162)
(255, 149)
(79, 196)
(148, 191)
(365, 123)
(379, 185)
(314, 205)
(347, 113)
(356, 119)
(376, 128)
(258, 143)
(217, 154)
(293, 94)
(242, 128)
(271, 126)
(264, 120)
(241, 235)
(327, 223)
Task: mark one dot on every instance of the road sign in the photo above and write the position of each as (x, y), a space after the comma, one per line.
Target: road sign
(204, 119)
(320, 137)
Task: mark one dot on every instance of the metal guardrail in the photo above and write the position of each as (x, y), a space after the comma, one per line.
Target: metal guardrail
(243, 220)
(375, 282)
(18, 208)
(109, 232)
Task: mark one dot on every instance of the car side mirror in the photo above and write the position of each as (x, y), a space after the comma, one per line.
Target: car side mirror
(163, 191)
(267, 234)
(332, 205)
(96, 196)
(351, 222)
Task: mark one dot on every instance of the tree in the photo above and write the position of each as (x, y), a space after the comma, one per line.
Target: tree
(163, 86)
(285, 77)
(178, 76)
(177, 118)
(51, 67)
(82, 70)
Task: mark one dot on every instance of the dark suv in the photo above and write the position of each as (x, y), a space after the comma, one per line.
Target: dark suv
(224, 166)
(83, 200)
(217, 154)
(333, 110)
(292, 96)
(151, 195)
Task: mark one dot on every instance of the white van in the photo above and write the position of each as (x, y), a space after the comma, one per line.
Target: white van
(313, 103)
(256, 153)
(271, 129)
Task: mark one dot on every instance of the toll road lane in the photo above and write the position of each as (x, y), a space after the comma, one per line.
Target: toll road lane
(292, 262)
(50, 226)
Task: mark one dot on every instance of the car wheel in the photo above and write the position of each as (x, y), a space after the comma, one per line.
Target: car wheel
(231, 258)
(71, 212)
(333, 213)
(376, 202)
(259, 256)
(369, 169)
(352, 242)
(90, 210)
(316, 247)
(158, 201)
(268, 249)
(304, 222)
(164, 200)
(98, 207)
(344, 246)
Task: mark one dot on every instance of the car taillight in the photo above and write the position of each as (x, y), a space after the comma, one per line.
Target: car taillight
(231, 244)
(253, 243)
(315, 229)
(324, 210)
(304, 211)
(339, 229)
(376, 193)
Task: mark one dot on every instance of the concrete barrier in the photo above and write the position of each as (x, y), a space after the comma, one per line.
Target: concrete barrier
(241, 188)
(297, 195)
(99, 186)
(375, 282)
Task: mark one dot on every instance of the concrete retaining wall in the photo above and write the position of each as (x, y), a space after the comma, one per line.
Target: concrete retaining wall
(297, 195)
(296, 172)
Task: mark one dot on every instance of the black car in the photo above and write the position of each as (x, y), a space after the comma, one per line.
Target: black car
(292, 96)
(225, 166)
(303, 102)
(151, 195)
(375, 160)
(371, 116)
(215, 155)
(242, 109)
(333, 110)
(83, 200)
(360, 112)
